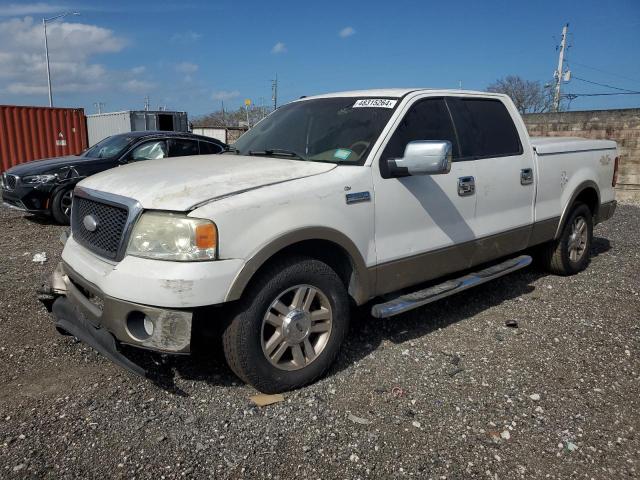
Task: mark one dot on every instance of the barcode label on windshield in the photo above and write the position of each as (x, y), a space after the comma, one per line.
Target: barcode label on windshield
(375, 103)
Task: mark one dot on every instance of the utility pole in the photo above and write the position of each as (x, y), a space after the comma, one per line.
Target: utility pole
(222, 109)
(559, 74)
(46, 48)
(146, 103)
(99, 106)
(274, 92)
(46, 56)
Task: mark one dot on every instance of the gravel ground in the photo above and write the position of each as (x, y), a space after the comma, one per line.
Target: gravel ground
(447, 391)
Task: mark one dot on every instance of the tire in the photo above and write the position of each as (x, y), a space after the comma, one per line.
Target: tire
(61, 206)
(297, 352)
(569, 254)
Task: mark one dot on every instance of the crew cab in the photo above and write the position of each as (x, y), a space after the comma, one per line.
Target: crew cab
(365, 197)
(45, 187)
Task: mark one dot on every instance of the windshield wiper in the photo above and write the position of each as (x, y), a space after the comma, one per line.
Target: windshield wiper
(268, 152)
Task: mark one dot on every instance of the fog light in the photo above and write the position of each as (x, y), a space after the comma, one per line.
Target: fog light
(140, 326)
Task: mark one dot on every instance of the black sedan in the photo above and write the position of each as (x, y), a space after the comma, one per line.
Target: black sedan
(46, 186)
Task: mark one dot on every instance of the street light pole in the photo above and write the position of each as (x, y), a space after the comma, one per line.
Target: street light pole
(46, 49)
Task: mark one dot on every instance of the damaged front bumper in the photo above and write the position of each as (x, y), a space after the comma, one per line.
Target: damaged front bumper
(31, 199)
(104, 323)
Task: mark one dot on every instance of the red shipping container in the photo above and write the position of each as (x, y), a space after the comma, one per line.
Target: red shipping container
(30, 133)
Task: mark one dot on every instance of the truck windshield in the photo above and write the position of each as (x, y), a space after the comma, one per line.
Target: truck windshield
(109, 147)
(337, 130)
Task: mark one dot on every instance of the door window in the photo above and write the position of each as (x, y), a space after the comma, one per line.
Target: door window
(485, 128)
(153, 150)
(181, 147)
(427, 119)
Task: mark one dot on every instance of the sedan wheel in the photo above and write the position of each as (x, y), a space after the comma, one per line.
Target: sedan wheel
(65, 203)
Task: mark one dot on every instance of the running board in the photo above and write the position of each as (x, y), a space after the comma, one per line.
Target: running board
(417, 299)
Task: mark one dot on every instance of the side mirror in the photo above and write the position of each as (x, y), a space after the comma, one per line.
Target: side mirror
(423, 157)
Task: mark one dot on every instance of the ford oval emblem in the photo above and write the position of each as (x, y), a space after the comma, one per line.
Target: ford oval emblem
(90, 223)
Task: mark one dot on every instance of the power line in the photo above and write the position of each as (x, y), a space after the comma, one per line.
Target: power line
(604, 71)
(599, 94)
(604, 85)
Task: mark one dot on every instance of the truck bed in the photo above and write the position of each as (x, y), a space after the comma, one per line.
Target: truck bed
(549, 145)
(564, 165)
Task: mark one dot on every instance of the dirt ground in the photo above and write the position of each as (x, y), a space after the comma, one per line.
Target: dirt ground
(447, 391)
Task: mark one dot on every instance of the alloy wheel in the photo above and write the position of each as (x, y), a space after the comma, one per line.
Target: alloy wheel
(578, 239)
(296, 327)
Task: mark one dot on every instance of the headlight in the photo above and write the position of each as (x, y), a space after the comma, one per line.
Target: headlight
(33, 179)
(172, 236)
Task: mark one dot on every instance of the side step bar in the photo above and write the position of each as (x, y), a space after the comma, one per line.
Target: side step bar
(417, 299)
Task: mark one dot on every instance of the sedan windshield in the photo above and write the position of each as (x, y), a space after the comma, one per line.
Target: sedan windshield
(337, 130)
(109, 147)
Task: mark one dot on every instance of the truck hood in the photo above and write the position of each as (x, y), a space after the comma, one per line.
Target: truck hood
(182, 183)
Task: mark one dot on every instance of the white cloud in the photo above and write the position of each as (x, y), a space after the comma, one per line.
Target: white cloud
(187, 67)
(279, 48)
(225, 94)
(139, 70)
(71, 46)
(138, 86)
(185, 37)
(347, 32)
(18, 9)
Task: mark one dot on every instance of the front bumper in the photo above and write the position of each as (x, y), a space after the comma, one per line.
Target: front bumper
(32, 199)
(104, 323)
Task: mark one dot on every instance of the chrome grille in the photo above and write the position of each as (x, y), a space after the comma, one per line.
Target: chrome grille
(110, 222)
(9, 182)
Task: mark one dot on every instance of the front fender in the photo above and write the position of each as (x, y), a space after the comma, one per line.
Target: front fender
(360, 285)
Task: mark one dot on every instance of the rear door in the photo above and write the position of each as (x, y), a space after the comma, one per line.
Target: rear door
(504, 174)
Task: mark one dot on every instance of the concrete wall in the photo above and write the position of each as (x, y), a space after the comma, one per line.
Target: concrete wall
(623, 126)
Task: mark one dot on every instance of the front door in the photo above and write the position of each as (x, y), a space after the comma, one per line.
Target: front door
(423, 224)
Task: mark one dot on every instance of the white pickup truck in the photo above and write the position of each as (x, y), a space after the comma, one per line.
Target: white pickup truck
(331, 201)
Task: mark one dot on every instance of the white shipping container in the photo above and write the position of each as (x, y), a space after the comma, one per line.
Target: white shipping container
(103, 125)
(219, 133)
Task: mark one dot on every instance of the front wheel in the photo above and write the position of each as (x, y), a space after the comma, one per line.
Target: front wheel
(569, 254)
(289, 326)
(61, 206)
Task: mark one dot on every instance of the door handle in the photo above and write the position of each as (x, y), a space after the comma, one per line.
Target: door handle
(526, 176)
(466, 186)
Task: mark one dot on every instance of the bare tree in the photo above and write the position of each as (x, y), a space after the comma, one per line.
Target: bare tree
(231, 118)
(528, 96)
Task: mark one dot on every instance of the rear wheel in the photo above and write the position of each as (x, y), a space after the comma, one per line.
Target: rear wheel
(289, 327)
(61, 206)
(569, 254)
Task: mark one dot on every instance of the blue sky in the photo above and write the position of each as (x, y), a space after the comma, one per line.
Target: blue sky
(191, 55)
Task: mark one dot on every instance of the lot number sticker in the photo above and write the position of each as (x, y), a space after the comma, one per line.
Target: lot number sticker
(375, 103)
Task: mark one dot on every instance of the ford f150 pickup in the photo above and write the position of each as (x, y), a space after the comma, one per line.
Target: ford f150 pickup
(400, 195)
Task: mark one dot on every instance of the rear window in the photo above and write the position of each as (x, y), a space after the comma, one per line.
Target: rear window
(181, 147)
(207, 148)
(485, 128)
